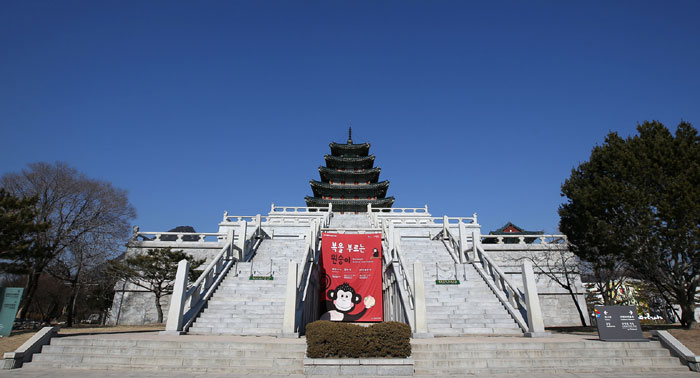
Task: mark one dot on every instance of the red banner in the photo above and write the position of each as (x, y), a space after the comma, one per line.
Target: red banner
(351, 277)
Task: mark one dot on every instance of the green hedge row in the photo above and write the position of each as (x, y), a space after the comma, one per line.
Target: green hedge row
(326, 339)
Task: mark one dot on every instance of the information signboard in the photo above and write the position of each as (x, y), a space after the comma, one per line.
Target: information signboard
(351, 277)
(618, 323)
(10, 298)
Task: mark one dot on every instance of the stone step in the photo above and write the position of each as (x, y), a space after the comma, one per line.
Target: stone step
(542, 353)
(267, 369)
(521, 371)
(474, 331)
(204, 330)
(530, 345)
(549, 362)
(169, 344)
(175, 352)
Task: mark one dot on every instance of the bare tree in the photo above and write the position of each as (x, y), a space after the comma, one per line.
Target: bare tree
(76, 207)
(75, 265)
(562, 267)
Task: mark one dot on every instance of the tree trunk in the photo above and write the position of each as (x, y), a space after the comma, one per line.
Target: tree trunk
(581, 316)
(71, 304)
(29, 291)
(159, 309)
(688, 315)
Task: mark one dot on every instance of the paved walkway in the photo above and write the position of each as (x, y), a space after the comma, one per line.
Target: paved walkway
(72, 373)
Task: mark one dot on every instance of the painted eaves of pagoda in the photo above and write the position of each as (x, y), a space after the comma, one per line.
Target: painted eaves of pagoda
(349, 180)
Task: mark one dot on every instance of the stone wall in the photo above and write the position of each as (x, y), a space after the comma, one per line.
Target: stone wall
(558, 307)
(133, 305)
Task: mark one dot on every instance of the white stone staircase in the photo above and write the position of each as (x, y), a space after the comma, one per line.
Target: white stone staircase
(183, 354)
(453, 310)
(526, 357)
(349, 221)
(241, 306)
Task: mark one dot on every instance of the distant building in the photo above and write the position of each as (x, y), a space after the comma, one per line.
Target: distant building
(511, 235)
(349, 181)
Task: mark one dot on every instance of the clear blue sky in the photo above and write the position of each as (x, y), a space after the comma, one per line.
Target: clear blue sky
(200, 107)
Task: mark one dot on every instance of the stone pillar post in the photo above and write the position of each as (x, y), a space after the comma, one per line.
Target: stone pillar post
(419, 309)
(476, 240)
(445, 226)
(243, 225)
(177, 301)
(397, 245)
(390, 237)
(462, 242)
(535, 322)
(290, 301)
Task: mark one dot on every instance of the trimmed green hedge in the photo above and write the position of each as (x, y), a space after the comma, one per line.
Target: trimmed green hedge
(326, 339)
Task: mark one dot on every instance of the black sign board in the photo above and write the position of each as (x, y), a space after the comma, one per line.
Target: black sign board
(447, 282)
(618, 323)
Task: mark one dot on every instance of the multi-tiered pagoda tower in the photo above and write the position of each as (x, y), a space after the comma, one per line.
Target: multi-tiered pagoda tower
(349, 180)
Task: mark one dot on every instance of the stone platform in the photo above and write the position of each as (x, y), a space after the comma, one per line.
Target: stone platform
(149, 354)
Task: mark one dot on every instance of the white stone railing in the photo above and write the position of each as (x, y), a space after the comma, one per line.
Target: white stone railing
(375, 213)
(300, 209)
(180, 237)
(524, 239)
(185, 304)
(279, 215)
(392, 251)
(445, 221)
(398, 210)
(298, 281)
(510, 296)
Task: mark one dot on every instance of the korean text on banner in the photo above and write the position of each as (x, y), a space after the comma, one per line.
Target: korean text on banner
(351, 271)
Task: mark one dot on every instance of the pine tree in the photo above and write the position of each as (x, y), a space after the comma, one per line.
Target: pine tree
(634, 208)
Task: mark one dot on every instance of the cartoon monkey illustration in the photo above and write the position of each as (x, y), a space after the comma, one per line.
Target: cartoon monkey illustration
(343, 300)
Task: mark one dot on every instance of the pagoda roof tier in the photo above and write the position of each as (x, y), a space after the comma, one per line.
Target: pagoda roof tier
(349, 149)
(349, 205)
(365, 175)
(363, 162)
(321, 189)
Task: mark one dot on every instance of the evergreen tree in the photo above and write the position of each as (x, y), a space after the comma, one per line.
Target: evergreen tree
(18, 230)
(637, 202)
(154, 271)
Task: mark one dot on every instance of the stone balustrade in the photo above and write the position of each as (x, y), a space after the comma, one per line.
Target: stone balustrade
(186, 303)
(399, 210)
(510, 295)
(524, 239)
(177, 237)
(299, 209)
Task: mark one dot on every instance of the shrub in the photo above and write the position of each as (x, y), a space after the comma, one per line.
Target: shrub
(326, 339)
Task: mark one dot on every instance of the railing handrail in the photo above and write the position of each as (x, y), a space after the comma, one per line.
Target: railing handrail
(554, 238)
(404, 273)
(188, 302)
(515, 296)
(246, 218)
(455, 251)
(208, 269)
(429, 219)
(298, 209)
(181, 233)
(400, 210)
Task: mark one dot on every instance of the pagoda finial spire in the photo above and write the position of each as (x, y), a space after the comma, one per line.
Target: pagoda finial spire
(350, 133)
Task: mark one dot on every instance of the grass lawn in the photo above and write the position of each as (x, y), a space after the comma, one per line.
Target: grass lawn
(18, 337)
(689, 337)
